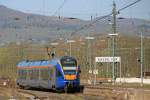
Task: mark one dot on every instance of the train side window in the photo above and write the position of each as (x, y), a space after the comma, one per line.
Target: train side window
(31, 74)
(44, 74)
(22, 74)
(36, 74)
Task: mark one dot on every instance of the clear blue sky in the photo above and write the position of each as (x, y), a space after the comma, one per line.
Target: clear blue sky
(82, 9)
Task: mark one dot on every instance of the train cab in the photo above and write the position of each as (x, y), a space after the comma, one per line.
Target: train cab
(71, 71)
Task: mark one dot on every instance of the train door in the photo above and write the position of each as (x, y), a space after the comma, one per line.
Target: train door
(52, 76)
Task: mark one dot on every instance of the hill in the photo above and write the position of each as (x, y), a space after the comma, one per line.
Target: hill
(19, 26)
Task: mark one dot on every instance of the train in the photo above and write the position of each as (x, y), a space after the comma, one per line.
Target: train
(60, 74)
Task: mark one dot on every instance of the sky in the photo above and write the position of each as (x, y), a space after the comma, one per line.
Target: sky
(82, 9)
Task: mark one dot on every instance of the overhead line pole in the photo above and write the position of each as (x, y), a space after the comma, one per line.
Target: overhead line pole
(113, 36)
(142, 58)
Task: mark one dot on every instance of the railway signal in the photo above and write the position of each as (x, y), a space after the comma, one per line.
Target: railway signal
(90, 71)
(95, 71)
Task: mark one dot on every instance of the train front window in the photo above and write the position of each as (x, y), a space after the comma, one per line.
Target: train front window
(69, 65)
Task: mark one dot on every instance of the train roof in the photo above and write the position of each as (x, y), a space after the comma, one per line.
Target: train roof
(38, 63)
(54, 61)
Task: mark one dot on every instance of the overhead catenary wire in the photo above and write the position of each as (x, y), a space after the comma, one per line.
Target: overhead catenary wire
(44, 7)
(60, 7)
(90, 24)
(132, 22)
(103, 17)
(129, 5)
(57, 10)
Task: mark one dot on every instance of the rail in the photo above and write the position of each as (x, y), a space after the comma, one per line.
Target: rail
(29, 94)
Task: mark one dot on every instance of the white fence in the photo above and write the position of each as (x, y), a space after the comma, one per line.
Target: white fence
(132, 80)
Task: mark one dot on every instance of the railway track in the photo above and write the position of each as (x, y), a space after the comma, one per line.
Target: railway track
(98, 87)
(28, 95)
(42, 95)
(96, 90)
(108, 92)
(90, 92)
(34, 94)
